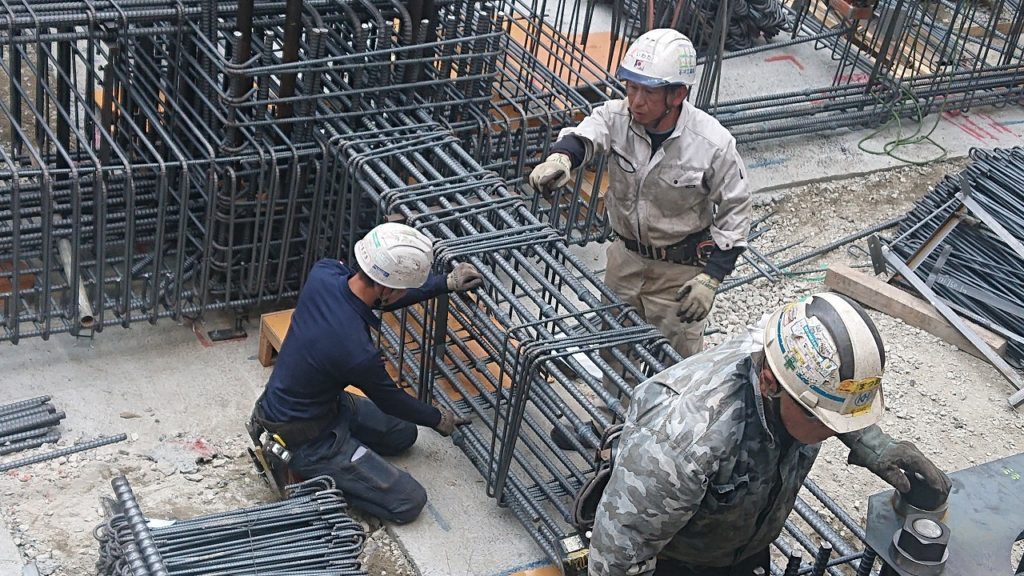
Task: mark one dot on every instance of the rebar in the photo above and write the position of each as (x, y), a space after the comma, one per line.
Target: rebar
(309, 533)
(81, 447)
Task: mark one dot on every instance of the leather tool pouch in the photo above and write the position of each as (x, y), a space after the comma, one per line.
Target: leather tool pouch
(585, 506)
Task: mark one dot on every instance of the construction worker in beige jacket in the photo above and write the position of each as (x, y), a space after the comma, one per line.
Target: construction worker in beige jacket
(677, 197)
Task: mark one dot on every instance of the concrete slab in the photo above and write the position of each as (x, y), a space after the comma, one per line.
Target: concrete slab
(790, 161)
(10, 558)
(462, 532)
(844, 153)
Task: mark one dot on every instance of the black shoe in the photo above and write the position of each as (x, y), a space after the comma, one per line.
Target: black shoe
(563, 441)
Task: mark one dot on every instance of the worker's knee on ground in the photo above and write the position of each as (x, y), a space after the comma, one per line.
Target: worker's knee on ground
(399, 439)
(410, 499)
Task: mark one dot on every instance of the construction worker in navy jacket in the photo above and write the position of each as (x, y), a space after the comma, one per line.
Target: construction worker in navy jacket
(330, 345)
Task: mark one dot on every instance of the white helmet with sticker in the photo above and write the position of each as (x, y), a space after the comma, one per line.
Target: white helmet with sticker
(395, 255)
(826, 353)
(661, 57)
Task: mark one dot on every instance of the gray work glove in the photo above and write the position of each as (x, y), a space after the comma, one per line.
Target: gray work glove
(449, 420)
(464, 277)
(900, 464)
(696, 298)
(551, 173)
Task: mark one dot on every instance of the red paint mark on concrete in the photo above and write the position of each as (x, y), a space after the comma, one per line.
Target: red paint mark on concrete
(999, 126)
(858, 78)
(977, 127)
(200, 446)
(950, 115)
(785, 58)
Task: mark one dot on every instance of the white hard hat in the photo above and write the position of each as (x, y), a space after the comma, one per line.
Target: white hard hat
(661, 57)
(827, 354)
(396, 256)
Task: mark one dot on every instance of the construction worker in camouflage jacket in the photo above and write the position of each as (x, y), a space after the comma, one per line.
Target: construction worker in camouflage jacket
(715, 448)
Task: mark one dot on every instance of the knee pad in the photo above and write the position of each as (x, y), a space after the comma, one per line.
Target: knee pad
(408, 506)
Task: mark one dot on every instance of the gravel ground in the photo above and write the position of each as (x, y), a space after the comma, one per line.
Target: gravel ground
(952, 405)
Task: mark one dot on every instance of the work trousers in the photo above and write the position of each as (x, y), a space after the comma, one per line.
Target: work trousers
(351, 453)
(668, 567)
(650, 286)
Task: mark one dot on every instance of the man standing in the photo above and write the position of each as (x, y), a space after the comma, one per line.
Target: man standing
(677, 196)
(715, 448)
(330, 346)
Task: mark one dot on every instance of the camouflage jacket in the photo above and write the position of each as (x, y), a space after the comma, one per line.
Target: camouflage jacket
(701, 474)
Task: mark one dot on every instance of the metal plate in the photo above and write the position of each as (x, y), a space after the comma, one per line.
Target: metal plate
(985, 517)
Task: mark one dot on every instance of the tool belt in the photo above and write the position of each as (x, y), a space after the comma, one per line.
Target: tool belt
(694, 250)
(297, 432)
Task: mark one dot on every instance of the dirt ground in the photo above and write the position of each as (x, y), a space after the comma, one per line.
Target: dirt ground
(952, 405)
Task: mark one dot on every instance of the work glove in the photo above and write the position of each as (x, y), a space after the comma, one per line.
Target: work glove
(464, 277)
(902, 465)
(551, 173)
(449, 420)
(696, 297)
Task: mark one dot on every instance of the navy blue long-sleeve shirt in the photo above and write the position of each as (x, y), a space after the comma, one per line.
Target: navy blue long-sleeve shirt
(329, 346)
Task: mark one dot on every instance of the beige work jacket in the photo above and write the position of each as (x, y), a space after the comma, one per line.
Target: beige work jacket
(695, 180)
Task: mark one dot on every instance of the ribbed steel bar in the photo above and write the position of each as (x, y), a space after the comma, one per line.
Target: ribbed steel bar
(82, 447)
(23, 404)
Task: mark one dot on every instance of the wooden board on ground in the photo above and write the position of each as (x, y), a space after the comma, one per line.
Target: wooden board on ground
(26, 281)
(476, 352)
(875, 293)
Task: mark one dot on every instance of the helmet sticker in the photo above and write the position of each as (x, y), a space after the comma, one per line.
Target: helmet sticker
(860, 403)
(856, 386)
(810, 338)
(687, 62)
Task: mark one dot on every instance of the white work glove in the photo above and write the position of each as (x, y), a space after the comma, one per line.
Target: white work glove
(464, 277)
(551, 173)
(696, 298)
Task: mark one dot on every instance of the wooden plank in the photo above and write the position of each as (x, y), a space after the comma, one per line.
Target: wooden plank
(476, 352)
(25, 281)
(273, 329)
(543, 43)
(983, 31)
(875, 293)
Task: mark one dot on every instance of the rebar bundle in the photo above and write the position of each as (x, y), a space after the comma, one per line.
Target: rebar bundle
(28, 424)
(308, 533)
(952, 238)
(165, 163)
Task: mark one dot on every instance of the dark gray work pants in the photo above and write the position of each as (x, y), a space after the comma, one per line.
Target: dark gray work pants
(369, 482)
